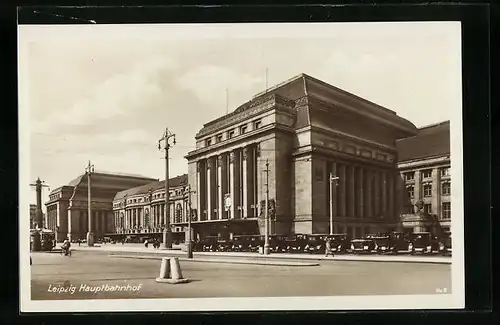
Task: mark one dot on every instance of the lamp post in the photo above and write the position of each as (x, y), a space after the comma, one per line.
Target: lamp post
(266, 212)
(332, 179)
(189, 242)
(89, 170)
(167, 232)
(37, 241)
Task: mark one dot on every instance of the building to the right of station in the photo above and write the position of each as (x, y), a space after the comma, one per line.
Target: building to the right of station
(424, 165)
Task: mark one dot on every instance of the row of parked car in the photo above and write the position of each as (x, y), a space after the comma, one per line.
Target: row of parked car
(381, 243)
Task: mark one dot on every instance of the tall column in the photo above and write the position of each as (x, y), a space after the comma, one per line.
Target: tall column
(198, 191)
(417, 189)
(209, 188)
(352, 192)
(391, 186)
(343, 190)
(245, 182)
(369, 193)
(360, 201)
(232, 186)
(436, 192)
(220, 196)
(376, 193)
(384, 194)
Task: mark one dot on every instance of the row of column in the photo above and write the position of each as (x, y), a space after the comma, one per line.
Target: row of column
(227, 185)
(362, 192)
(81, 220)
(154, 218)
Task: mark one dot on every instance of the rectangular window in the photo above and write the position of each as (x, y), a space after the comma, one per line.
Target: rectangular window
(243, 129)
(208, 142)
(446, 188)
(230, 134)
(410, 176)
(445, 171)
(427, 190)
(218, 138)
(427, 173)
(257, 125)
(428, 208)
(446, 210)
(411, 191)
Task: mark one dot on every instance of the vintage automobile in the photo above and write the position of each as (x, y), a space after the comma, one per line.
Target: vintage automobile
(255, 242)
(398, 242)
(208, 244)
(240, 244)
(445, 244)
(315, 244)
(423, 242)
(277, 244)
(339, 243)
(382, 243)
(224, 245)
(295, 243)
(362, 245)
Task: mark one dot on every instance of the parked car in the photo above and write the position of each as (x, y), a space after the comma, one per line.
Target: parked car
(295, 243)
(445, 244)
(362, 245)
(423, 242)
(315, 244)
(340, 243)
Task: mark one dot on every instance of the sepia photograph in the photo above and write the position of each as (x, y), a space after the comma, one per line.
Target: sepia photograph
(256, 166)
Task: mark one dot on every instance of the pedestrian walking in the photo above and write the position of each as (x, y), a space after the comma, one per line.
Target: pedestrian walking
(328, 248)
(79, 242)
(146, 243)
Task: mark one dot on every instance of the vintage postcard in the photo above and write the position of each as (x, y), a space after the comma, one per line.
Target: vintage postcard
(225, 167)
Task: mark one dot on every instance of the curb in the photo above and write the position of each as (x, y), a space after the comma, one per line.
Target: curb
(221, 261)
(257, 257)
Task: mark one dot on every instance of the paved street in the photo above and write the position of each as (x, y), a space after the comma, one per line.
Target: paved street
(336, 277)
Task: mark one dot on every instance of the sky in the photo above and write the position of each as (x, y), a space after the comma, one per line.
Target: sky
(107, 93)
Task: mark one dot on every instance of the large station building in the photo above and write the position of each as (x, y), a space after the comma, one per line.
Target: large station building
(303, 130)
(67, 208)
(141, 210)
(285, 143)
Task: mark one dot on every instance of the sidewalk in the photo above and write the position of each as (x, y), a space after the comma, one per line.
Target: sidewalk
(252, 261)
(138, 248)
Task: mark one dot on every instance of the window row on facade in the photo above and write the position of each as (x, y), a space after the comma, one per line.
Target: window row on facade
(426, 189)
(425, 174)
(242, 129)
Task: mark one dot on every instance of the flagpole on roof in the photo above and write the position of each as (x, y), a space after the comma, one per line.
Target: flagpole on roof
(267, 72)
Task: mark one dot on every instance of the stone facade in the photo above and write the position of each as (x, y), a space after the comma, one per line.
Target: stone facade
(303, 129)
(67, 208)
(141, 210)
(425, 178)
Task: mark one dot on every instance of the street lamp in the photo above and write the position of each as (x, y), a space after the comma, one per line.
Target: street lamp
(332, 179)
(189, 242)
(266, 211)
(167, 232)
(89, 170)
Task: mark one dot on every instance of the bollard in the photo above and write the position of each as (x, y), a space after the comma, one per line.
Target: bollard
(176, 269)
(164, 269)
(170, 271)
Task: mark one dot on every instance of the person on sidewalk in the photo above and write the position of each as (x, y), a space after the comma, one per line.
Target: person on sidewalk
(328, 248)
(79, 242)
(146, 243)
